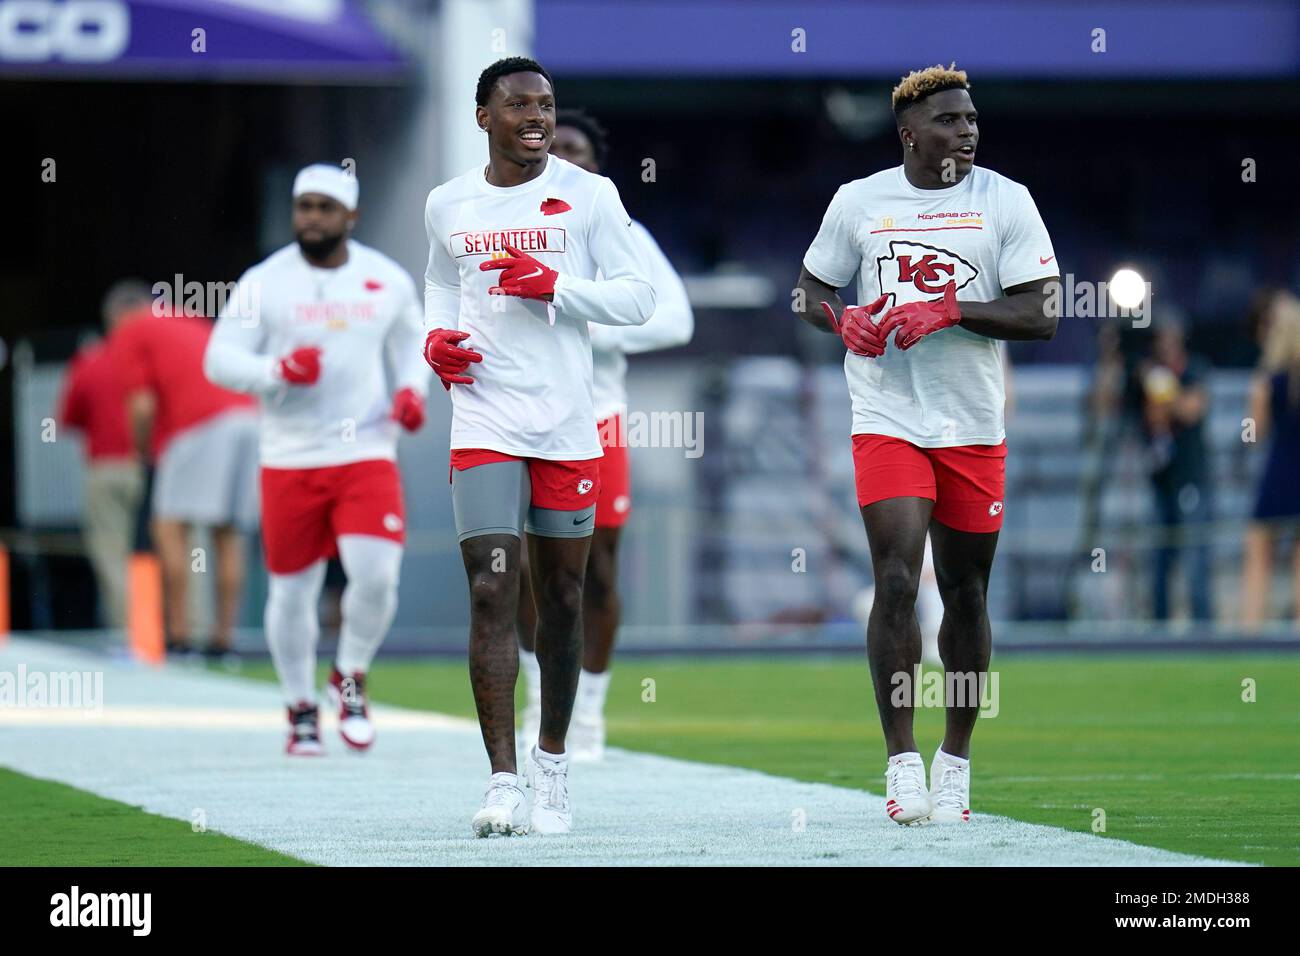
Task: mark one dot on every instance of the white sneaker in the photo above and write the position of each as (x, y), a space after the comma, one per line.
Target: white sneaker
(585, 740)
(505, 808)
(949, 790)
(906, 799)
(549, 778)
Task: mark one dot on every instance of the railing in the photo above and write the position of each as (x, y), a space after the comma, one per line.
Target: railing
(763, 531)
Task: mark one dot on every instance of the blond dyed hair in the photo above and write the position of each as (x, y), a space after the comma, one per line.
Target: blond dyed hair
(919, 84)
(1282, 340)
(1282, 343)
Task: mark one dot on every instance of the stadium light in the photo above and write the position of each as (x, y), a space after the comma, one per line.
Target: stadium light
(1127, 288)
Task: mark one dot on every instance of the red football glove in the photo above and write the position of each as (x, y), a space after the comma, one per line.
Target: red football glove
(915, 320)
(408, 409)
(447, 358)
(857, 328)
(524, 276)
(301, 366)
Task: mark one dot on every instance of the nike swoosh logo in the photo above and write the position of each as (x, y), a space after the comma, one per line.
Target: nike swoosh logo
(531, 275)
(581, 520)
(1043, 262)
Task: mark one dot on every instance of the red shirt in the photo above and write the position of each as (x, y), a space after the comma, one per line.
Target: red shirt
(94, 402)
(165, 355)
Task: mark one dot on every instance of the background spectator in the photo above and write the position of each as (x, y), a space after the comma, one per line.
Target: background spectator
(94, 403)
(203, 441)
(1275, 408)
(1175, 405)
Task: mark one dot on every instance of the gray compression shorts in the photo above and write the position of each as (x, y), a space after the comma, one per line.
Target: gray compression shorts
(495, 499)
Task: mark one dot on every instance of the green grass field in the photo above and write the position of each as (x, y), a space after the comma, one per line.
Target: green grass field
(1164, 745)
(50, 824)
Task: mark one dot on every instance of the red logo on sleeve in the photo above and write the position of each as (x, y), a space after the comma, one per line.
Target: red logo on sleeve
(553, 207)
(1043, 262)
(373, 285)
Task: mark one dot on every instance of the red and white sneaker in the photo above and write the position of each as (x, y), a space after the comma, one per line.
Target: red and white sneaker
(949, 789)
(906, 800)
(304, 731)
(348, 696)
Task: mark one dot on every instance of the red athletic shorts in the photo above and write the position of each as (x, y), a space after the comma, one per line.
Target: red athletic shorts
(615, 501)
(304, 510)
(557, 485)
(965, 482)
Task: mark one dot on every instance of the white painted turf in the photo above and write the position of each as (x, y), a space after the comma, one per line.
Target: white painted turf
(180, 740)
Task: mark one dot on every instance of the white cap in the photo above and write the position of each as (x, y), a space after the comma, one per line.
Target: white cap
(332, 181)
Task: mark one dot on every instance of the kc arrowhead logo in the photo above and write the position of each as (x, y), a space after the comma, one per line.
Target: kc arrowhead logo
(914, 272)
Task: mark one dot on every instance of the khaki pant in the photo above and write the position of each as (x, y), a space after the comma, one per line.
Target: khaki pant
(113, 490)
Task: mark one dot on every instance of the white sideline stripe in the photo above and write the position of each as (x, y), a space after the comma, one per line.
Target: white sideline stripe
(409, 800)
(1130, 777)
(213, 718)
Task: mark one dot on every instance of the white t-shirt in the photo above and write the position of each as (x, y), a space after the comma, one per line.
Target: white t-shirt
(531, 395)
(984, 233)
(364, 316)
(672, 324)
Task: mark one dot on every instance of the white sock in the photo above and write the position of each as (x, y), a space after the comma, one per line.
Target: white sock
(592, 689)
(910, 756)
(949, 758)
(532, 672)
(549, 758)
(292, 629)
(372, 566)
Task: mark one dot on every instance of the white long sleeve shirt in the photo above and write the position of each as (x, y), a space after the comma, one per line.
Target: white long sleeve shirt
(365, 317)
(532, 393)
(672, 324)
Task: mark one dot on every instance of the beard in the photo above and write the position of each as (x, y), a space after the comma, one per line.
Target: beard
(321, 248)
